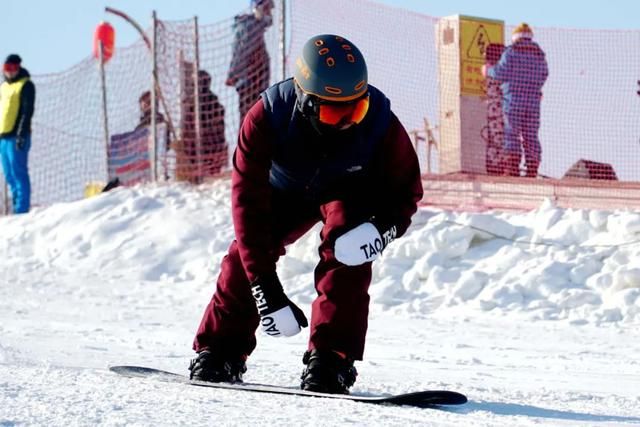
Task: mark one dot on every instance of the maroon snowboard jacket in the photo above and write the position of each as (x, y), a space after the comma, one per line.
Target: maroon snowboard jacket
(372, 164)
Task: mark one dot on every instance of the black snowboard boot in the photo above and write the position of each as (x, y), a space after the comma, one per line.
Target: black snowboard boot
(327, 372)
(213, 367)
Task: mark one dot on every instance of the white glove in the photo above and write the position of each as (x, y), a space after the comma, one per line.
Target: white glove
(362, 244)
(280, 323)
(278, 315)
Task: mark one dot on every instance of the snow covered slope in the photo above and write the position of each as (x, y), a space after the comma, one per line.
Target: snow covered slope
(534, 316)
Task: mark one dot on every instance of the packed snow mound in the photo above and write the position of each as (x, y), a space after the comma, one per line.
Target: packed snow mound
(581, 266)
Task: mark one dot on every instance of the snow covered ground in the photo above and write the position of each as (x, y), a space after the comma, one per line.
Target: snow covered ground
(534, 316)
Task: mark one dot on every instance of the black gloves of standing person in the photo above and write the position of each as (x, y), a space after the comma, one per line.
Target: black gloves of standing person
(278, 315)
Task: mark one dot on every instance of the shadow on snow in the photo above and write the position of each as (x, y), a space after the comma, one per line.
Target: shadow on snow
(515, 409)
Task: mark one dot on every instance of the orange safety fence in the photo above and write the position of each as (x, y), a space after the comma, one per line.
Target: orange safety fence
(70, 157)
(589, 132)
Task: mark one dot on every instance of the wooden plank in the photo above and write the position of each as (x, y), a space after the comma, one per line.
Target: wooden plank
(482, 192)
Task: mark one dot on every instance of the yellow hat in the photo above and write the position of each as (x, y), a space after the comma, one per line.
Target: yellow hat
(523, 30)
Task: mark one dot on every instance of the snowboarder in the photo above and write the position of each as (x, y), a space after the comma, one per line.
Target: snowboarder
(323, 146)
(17, 103)
(523, 70)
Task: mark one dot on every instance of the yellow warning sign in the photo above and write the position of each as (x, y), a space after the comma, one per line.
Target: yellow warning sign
(479, 43)
(475, 35)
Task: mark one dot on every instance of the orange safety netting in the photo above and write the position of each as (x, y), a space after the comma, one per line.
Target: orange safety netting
(237, 60)
(588, 122)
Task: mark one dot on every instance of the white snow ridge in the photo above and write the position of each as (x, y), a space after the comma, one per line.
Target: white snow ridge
(534, 316)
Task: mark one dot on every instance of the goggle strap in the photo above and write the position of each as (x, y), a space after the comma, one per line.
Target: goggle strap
(305, 102)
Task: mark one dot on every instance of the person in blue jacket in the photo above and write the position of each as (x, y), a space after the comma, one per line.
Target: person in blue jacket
(522, 70)
(17, 99)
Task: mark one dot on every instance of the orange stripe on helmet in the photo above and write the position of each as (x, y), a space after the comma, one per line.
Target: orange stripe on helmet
(360, 87)
(333, 90)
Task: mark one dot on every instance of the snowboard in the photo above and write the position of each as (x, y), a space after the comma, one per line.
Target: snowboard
(421, 399)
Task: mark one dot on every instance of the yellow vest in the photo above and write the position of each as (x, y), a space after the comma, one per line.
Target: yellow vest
(10, 104)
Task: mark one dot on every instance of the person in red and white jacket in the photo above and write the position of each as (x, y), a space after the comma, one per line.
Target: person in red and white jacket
(323, 146)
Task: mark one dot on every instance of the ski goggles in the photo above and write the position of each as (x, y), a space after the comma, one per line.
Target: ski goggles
(10, 67)
(343, 113)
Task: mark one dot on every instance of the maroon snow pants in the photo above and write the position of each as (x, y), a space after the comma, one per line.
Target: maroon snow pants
(338, 314)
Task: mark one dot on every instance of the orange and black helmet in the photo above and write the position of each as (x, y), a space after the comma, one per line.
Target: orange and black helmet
(332, 69)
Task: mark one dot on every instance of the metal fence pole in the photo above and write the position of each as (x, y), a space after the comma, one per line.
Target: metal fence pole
(105, 116)
(283, 41)
(196, 97)
(153, 155)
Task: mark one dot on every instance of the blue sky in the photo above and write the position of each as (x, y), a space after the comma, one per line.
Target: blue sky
(52, 36)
